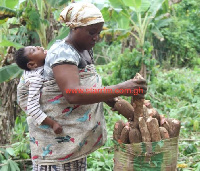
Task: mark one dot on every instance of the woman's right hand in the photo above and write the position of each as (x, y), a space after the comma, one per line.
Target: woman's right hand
(133, 87)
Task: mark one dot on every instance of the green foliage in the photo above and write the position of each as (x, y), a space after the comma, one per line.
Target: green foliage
(136, 16)
(20, 138)
(35, 16)
(19, 149)
(11, 4)
(6, 12)
(20, 35)
(189, 154)
(102, 159)
(9, 165)
(7, 43)
(20, 129)
(63, 32)
(9, 72)
(57, 3)
(126, 65)
(105, 53)
(182, 37)
(32, 18)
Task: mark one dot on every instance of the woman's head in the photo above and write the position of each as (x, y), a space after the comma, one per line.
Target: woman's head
(81, 14)
(85, 21)
(30, 57)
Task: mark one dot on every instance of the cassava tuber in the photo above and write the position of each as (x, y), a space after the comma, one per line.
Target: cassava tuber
(144, 130)
(123, 107)
(138, 109)
(135, 136)
(134, 124)
(137, 103)
(163, 133)
(147, 103)
(153, 127)
(154, 114)
(125, 135)
(119, 125)
(145, 112)
(172, 126)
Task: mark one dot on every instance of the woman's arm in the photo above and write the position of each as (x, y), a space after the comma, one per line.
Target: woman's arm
(67, 78)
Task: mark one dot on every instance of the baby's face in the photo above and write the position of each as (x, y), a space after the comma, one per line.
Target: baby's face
(36, 54)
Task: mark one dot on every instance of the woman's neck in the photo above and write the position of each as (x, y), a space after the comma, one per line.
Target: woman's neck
(83, 53)
(70, 41)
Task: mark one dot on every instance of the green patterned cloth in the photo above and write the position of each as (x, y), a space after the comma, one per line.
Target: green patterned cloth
(149, 156)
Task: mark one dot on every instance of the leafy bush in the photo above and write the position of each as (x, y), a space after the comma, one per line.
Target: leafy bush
(182, 37)
(117, 71)
(16, 156)
(126, 65)
(105, 53)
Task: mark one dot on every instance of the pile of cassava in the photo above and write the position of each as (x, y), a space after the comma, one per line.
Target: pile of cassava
(144, 124)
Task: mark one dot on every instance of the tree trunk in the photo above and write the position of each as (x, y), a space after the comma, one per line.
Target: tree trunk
(8, 109)
(8, 101)
(129, 42)
(143, 71)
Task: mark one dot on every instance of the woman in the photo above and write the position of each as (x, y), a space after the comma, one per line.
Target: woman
(72, 95)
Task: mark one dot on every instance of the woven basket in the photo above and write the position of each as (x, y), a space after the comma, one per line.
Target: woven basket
(149, 156)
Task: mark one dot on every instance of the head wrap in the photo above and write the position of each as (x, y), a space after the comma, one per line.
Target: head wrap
(81, 14)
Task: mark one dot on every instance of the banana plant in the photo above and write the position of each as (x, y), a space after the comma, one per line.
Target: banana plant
(9, 72)
(40, 13)
(6, 12)
(36, 15)
(137, 18)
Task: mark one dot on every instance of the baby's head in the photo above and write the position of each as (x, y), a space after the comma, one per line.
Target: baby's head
(30, 57)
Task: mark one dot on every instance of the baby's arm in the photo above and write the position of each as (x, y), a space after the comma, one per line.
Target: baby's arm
(33, 105)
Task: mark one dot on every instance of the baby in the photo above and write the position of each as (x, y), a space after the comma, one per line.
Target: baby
(31, 59)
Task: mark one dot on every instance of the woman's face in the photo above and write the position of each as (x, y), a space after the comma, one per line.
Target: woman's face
(84, 38)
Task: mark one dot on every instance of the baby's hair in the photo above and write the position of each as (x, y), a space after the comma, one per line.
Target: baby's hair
(21, 59)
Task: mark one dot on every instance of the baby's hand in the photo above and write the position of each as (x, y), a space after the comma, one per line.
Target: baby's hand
(57, 128)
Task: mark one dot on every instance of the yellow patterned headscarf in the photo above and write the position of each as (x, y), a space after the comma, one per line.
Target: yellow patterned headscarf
(81, 14)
